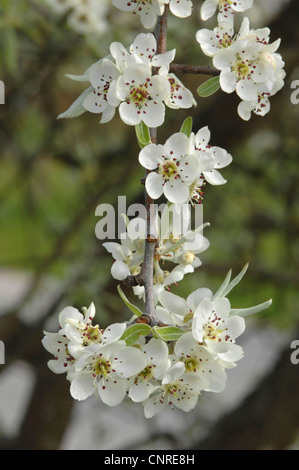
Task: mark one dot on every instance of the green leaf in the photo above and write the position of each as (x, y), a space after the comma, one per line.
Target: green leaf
(187, 126)
(244, 312)
(143, 134)
(132, 333)
(131, 306)
(168, 333)
(223, 286)
(209, 87)
(76, 109)
(235, 281)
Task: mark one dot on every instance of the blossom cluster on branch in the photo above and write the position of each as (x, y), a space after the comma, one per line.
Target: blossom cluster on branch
(173, 348)
(156, 366)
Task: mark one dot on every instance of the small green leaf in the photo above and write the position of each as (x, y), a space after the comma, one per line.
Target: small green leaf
(235, 281)
(187, 126)
(245, 312)
(168, 333)
(131, 306)
(76, 109)
(209, 87)
(132, 333)
(143, 134)
(223, 286)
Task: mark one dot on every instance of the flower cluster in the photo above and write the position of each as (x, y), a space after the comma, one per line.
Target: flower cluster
(249, 64)
(149, 10)
(125, 80)
(182, 165)
(176, 245)
(184, 346)
(155, 366)
(84, 16)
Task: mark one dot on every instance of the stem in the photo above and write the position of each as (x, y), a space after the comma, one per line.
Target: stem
(147, 272)
(194, 69)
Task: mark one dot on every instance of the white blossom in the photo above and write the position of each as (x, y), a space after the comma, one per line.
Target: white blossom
(178, 389)
(249, 64)
(199, 361)
(216, 330)
(173, 168)
(156, 354)
(84, 16)
(149, 10)
(104, 369)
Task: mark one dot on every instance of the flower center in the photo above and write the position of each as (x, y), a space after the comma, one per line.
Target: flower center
(146, 373)
(213, 330)
(101, 367)
(169, 170)
(242, 69)
(192, 364)
(91, 334)
(138, 95)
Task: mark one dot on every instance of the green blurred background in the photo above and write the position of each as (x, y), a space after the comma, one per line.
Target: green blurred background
(53, 175)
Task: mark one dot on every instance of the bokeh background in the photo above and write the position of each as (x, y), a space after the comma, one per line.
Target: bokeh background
(53, 175)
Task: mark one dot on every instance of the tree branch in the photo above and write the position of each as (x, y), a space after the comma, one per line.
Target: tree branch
(194, 69)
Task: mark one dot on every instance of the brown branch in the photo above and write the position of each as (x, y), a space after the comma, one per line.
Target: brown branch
(146, 276)
(194, 69)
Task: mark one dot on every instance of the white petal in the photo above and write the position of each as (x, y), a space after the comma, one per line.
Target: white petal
(130, 361)
(176, 191)
(154, 185)
(173, 303)
(120, 270)
(208, 9)
(69, 312)
(181, 8)
(141, 391)
(236, 326)
(228, 80)
(82, 386)
(112, 392)
(153, 113)
(247, 90)
(177, 145)
(114, 332)
(202, 138)
(214, 177)
(151, 155)
(197, 296)
(144, 45)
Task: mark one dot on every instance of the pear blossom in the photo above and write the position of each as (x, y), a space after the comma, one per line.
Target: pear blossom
(210, 158)
(180, 96)
(83, 16)
(178, 389)
(174, 168)
(226, 8)
(125, 80)
(156, 353)
(249, 64)
(104, 369)
(199, 361)
(128, 255)
(57, 345)
(149, 10)
(142, 96)
(216, 330)
(175, 310)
